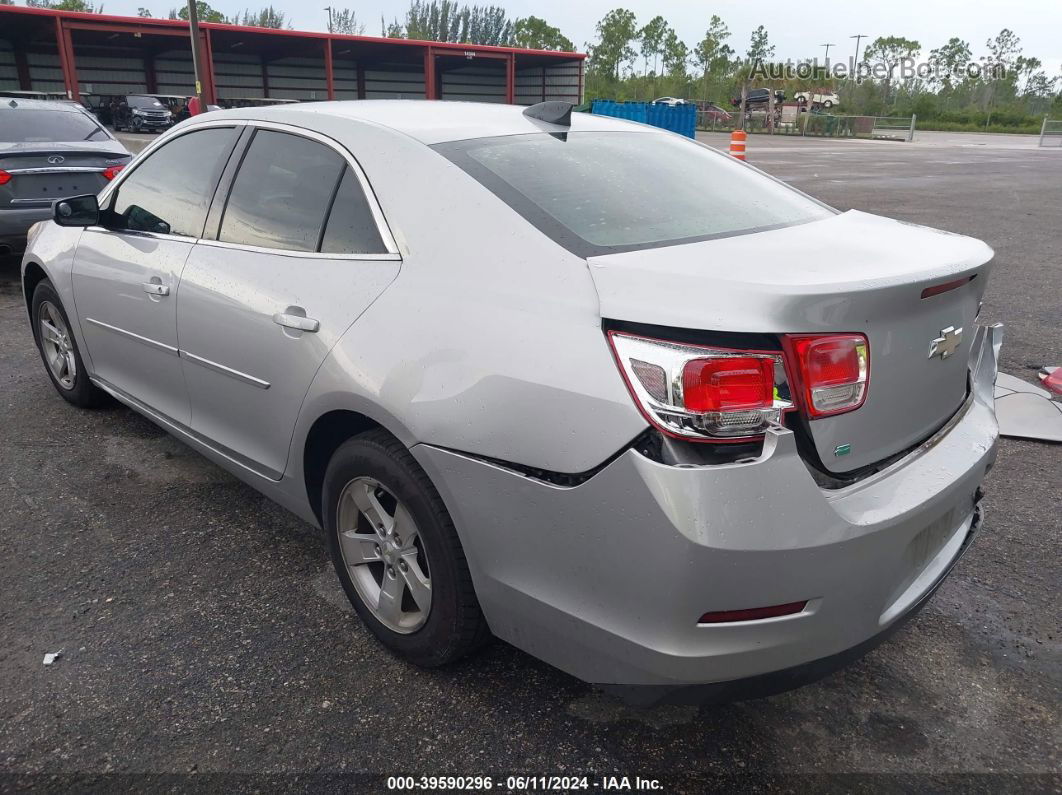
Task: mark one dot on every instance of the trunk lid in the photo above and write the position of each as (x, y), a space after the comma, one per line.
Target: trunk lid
(56, 170)
(852, 272)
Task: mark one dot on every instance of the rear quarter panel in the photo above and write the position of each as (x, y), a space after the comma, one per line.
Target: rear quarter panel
(489, 341)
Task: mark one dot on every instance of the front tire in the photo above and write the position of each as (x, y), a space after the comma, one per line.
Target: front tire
(397, 554)
(59, 351)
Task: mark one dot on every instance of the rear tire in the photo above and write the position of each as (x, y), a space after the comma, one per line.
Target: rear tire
(59, 351)
(397, 554)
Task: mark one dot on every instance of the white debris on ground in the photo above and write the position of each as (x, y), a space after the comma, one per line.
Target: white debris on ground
(1026, 411)
(52, 656)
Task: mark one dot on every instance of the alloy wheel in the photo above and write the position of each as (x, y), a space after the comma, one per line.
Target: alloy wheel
(57, 345)
(384, 555)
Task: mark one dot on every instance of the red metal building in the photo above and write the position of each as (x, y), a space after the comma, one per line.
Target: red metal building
(75, 53)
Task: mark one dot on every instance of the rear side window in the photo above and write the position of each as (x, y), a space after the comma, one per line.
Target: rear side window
(281, 193)
(608, 192)
(169, 192)
(351, 228)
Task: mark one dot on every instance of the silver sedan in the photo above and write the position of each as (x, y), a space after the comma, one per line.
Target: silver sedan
(574, 382)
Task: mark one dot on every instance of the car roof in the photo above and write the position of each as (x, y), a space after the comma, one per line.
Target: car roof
(18, 103)
(429, 121)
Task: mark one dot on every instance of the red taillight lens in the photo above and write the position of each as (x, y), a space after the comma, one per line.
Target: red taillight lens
(732, 383)
(4, 177)
(832, 372)
(699, 392)
(111, 172)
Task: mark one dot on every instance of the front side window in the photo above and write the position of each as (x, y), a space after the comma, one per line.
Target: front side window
(608, 192)
(282, 193)
(170, 192)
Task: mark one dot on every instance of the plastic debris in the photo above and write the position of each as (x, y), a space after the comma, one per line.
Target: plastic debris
(52, 656)
(1026, 411)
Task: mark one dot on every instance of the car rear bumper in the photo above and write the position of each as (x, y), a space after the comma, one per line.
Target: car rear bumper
(607, 580)
(775, 682)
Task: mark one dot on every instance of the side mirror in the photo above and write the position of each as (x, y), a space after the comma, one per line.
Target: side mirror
(77, 211)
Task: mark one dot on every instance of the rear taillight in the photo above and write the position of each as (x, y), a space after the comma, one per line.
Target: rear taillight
(701, 393)
(111, 172)
(4, 177)
(832, 372)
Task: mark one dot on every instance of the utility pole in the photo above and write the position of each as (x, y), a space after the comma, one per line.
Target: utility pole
(827, 46)
(329, 10)
(197, 56)
(858, 37)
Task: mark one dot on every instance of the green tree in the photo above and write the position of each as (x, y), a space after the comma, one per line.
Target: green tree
(445, 20)
(615, 32)
(267, 17)
(760, 48)
(392, 30)
(948, 61)
(889, 52)
(676, 58)
(346, 22)
(712, 55)
(66, 5)
(143, 12)
(202, 10)
(651, 42)
(537, 34)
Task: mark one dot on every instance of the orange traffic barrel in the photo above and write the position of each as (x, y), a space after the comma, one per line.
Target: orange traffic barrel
(737, 144)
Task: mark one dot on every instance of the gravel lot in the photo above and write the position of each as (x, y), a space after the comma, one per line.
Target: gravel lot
(203, 632)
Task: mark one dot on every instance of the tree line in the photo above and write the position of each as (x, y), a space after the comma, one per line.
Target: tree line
(633, 61)
(1010, 90)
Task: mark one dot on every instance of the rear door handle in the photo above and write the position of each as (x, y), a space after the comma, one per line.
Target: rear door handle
(154, 288)
(296, 322)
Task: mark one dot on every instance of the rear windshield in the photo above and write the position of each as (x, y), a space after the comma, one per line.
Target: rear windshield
(28, 125)
(608, 192)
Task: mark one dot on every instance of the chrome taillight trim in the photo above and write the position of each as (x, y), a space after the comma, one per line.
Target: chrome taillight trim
(672, 418)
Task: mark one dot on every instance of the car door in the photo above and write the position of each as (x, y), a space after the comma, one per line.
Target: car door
(126, 270)
(300, 252)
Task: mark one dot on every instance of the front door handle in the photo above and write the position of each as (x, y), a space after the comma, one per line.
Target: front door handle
(154, 288)
(299, 322)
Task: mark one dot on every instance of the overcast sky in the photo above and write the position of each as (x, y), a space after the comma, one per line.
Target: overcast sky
(797, 29)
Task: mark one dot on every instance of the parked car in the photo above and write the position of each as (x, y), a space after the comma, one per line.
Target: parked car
(48, 151)
(826, 100)
(140, 113)
(546, 398)
(670, 101)
(713, 112)
(758, 96)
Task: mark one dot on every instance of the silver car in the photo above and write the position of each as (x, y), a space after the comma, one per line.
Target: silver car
(581, 384)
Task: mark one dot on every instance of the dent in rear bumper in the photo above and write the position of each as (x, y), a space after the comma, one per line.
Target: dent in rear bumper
(775, 682)
(606, 580)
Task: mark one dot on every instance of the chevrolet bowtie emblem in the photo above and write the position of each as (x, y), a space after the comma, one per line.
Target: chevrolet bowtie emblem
(947, 343)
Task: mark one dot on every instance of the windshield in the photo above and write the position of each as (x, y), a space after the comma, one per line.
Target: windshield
(29, 125)
(143, 102)
(607, 192)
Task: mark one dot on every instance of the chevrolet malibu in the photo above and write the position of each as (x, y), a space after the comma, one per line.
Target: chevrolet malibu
(574, 382)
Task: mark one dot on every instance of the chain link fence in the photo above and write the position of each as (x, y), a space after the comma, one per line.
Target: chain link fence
(822, 125)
